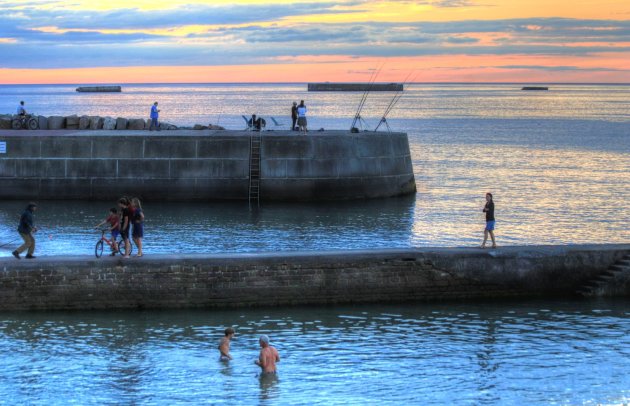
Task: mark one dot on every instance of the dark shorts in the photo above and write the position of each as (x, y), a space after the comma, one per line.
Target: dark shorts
(302, 121)
(138, 230)
(115, 234)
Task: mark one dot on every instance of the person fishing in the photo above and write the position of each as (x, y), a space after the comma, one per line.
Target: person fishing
(26, 228)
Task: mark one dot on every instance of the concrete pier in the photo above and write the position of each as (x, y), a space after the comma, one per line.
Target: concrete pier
(317, 278)
(184, 165)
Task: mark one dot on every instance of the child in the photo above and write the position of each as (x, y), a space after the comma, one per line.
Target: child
(114, 223)
(224, 345)
(137, 218)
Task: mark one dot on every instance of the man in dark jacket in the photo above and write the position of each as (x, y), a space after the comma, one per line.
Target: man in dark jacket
(26, 230)
(294, 116)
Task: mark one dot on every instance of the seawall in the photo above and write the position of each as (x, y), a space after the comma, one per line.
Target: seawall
(203, 165)
(300, 278)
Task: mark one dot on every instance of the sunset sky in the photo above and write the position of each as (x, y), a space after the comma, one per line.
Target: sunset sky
(116, 41)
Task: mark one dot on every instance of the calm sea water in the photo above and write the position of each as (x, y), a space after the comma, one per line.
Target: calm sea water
(507, 353)
(557, 162)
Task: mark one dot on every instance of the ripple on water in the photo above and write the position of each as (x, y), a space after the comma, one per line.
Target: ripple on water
(556, 352)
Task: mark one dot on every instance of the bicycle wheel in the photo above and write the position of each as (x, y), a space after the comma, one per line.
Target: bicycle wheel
(98, 250)
(33, 124)
(121, 247)
(16, 124)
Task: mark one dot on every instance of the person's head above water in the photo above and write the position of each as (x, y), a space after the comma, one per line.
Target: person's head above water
(263, 340)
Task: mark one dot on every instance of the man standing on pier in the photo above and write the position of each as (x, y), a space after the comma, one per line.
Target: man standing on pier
(294, 116)
(26, 230)
(155, 113)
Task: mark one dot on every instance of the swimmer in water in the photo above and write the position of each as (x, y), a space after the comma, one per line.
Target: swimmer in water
(268, 356)
(224, 345)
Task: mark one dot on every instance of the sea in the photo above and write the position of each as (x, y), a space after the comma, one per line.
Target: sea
(556, 161)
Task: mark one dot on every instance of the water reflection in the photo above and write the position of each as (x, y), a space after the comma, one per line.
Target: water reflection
(269, 387)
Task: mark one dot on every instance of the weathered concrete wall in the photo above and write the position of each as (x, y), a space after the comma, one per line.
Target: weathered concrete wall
(203, 165)
(300, 278)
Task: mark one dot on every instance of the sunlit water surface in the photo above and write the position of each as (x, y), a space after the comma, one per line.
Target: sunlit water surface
(557, 162)
(506, 353)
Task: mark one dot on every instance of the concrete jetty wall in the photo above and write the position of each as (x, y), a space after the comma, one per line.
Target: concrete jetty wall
(174, 281)
(202, 165)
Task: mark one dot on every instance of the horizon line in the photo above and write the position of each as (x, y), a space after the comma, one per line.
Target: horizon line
(305, 83)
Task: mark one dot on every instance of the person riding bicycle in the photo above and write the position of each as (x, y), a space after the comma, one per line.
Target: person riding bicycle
(21, 111)
(114, 222)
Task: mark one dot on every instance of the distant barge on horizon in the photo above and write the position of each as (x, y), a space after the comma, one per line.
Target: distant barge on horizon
(535, 88)
(355, 87)
(99, 89)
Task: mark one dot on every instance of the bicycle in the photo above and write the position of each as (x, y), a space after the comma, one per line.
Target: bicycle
(25, 122)
(98, 250)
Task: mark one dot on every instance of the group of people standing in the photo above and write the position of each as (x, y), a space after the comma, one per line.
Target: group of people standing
(298, 115)
(128, 217)
(131, 217)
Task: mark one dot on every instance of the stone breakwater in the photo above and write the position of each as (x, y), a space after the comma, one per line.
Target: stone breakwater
(75, 122)
(184, 165)
(294, 278)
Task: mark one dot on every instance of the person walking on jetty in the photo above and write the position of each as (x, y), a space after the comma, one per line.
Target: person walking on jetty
(114, 227)
(301, 110)
(125, 215)
(137, 218)
(294, 116)
(268, 356)
(26, 228)
(489, 210)
(155, 113)
(224, 345)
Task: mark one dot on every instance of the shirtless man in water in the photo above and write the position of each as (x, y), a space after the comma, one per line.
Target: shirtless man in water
(268, 356)
(224, 345)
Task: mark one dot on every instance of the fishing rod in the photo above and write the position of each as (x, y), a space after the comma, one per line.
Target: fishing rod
(357, 116)
(393, 102)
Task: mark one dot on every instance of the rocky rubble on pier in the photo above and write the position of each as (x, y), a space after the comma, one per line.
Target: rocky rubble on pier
(74, 122)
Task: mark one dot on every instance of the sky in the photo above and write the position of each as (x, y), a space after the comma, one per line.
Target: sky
(125, 41)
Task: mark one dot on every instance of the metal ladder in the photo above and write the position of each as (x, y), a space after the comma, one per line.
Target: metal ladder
(254, 170)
